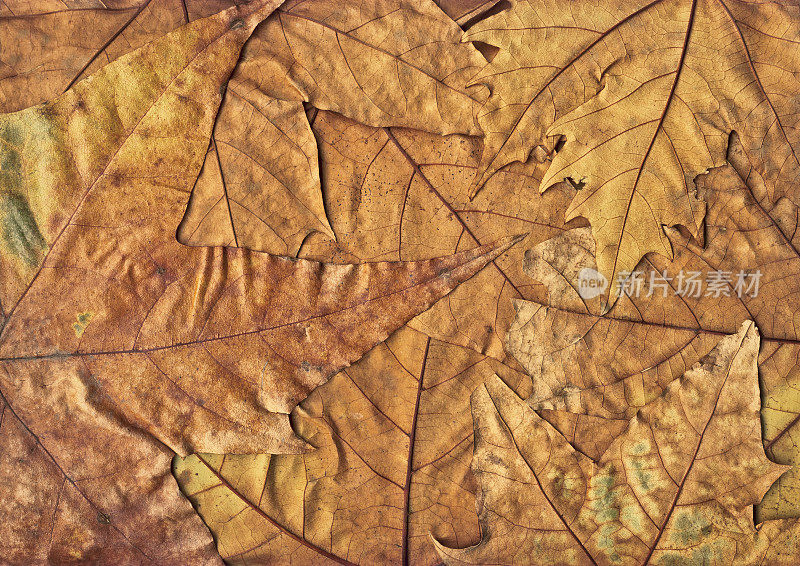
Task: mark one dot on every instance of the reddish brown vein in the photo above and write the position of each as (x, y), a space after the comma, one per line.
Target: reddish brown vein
(223, 482)
(660, 125)
(410, 462)
(444, 201)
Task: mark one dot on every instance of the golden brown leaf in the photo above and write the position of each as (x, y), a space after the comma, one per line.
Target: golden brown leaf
(607, 366)
(674, 488)
(396, 194)
(388, 191)
(46, 46)
(160, 325)
(206, 349)
(260, 185)
(392, 441)
(123, 508)
(383, 63)
(646, 94)
(83, 484)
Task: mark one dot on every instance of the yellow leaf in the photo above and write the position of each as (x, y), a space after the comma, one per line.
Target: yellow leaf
(646, 95)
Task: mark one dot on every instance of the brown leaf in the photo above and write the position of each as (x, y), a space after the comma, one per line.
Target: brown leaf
(260, 185)
(389, 191)
(206, 349)
(371, 406)
(393, 445)
(123, 508)
(646, 96)
(84, 484)
(466, 12)
(47, 46)
(383, 63)
(175, 319)
(674, 488)
(609, 365)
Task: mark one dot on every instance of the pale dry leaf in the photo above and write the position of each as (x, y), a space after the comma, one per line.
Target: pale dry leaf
(646, 94)
(675, 488)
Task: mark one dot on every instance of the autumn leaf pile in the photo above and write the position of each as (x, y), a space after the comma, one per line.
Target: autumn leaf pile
(303, 282)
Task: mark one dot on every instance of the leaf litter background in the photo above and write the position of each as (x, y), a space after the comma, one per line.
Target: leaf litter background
(393, 434)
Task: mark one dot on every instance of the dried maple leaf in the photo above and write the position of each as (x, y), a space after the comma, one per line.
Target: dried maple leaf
(674, 488)
(383, 63)
(205, 349)
(387, 192)
(609, 365)
(646, 94)
(392, 440)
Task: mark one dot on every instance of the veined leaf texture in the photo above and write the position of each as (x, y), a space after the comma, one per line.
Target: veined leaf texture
(399, 282)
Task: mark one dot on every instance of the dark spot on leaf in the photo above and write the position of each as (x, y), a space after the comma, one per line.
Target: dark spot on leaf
(577, 185)
(103, 519)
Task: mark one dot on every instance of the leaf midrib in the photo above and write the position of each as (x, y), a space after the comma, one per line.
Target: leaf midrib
(419, 283)
(338, 32)
(91, 185)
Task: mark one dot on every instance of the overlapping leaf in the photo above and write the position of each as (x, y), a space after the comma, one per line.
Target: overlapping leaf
(260, 186)
(387, 192)
(392, 440)
(122, 508)
(674, 488)
(205, 349)
(384, 200)
(382, 63)
(608, 366)
(646, 94)
(82, 483)
(46, 46)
